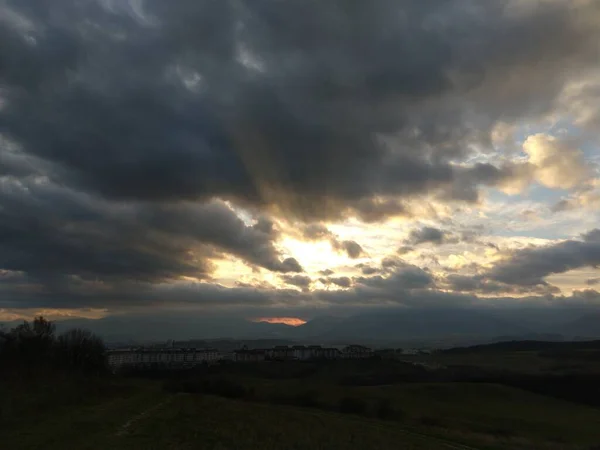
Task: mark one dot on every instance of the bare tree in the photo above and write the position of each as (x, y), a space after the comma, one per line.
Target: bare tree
(81, 349)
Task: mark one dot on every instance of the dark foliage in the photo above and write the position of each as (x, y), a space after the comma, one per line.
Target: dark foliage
(33, 348)
(80, 349)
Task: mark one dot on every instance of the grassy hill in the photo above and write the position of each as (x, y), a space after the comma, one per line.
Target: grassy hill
(139, 414)
(150, 419)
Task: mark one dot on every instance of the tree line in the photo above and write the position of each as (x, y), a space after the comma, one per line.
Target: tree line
(35, 345)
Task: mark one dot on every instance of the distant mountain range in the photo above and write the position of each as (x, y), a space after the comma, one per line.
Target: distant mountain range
(439, 327)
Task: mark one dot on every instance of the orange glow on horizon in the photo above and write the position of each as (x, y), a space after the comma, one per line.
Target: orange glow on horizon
(292, 321)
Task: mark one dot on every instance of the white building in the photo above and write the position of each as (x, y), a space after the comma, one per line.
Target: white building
(357, 352)
(160, 357)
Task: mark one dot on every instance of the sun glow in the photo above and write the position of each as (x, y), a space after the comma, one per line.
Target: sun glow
(313, 256)
(292, 321)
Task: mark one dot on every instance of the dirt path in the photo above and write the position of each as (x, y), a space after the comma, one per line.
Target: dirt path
(124, 429)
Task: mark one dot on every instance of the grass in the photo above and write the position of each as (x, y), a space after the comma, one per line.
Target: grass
(150, 419)
(204, 422)
(499, 412)
(484, 414)
(117, 413)
(72, 416)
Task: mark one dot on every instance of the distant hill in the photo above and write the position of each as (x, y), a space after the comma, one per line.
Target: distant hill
(586, 326)
(527, 346)
(421, 324)
(439, 327)
(233, 344)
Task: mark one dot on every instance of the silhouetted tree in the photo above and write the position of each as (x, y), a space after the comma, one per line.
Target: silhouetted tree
(31, 341)
(34, 347)
(80, 349)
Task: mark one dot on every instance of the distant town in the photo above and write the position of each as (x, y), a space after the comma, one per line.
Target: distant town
(172, 357)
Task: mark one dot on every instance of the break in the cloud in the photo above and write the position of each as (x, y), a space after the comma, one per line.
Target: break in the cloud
(317, 232)
(260, 154)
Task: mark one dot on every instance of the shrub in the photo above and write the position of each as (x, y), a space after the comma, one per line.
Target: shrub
(351, 405)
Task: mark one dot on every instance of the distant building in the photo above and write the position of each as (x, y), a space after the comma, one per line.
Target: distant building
(302, 353)
(417, 351)
(227, 356)
(245, 355)
(389, 353)
(160, 358)
(281, 353)
(357, 352)
(184, 358)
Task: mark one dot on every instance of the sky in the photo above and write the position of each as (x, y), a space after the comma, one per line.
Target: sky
(290, 159)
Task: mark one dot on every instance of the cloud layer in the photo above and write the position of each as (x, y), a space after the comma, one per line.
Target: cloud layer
(142, 143)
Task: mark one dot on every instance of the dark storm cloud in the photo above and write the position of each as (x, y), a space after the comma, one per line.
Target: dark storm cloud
(354, 101)
(410, 288)
(478, 284)
(125, 125)
(530, 266)
(403, 277)
(49, 231)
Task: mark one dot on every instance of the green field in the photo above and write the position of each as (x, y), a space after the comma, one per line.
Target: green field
(138, 414)
(475, 413)
(150, 419)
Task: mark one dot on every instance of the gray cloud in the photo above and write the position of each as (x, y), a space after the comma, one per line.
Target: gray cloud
(426, 234)
(124, 128)
(344, 282)
(225, 99)
(301, 281)
(351, 248)
(530, 266)
(411, 287)
(436, 236)
(366, 269)
(326, 272)
(318, 232)
(402, 277)
(478, 284)
(52, 232)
